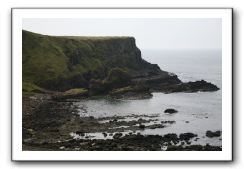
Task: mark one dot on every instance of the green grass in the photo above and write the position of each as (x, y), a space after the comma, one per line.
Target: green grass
(30, 87)
(60, 63)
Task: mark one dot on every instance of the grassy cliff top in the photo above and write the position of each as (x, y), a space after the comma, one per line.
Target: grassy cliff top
(84, 37)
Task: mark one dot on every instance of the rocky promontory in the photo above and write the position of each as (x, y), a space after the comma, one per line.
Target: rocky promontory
(96, 66)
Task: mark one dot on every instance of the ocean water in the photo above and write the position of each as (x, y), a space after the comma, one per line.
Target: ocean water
(197, 112)
(189, 65)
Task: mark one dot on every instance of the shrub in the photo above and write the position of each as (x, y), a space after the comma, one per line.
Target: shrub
(118, 77)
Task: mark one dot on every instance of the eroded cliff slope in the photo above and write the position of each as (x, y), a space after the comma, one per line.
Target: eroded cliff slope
(61, 63)
(96, 65)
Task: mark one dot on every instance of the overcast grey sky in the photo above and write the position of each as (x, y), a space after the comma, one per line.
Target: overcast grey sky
(149, 33)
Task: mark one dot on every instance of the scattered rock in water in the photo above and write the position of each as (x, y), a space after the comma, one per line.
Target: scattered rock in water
(187, 136)
(140, 120)
(81, 133)
(170, 111)
(211, 134)
(92, 117)
(212, 148)
(154, 126)
(105, 134)
(133, 141)
(141, 126)
(171, 137)
(207, 147)
(117, 135)
(169, 122)
(196, 139)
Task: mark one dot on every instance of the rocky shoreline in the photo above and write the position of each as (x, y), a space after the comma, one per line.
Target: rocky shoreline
(57, 71)
(54, 125)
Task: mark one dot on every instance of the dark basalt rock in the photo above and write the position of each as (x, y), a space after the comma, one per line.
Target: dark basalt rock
(141, 126)
(155, 126)
(187, 136)
(171, 137)
(170, 111)
(168, 121)
(213, 134)
(105, 134)
(196, 86)
(194, 148)
(127, 143)
(81, 133)
(117, 135)
(154, 81)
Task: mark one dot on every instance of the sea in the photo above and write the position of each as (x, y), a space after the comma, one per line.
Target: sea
(197, 112)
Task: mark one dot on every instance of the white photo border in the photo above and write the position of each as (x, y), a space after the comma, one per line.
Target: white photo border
(18, 14)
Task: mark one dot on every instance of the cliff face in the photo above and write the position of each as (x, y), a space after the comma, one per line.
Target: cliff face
(61, 63)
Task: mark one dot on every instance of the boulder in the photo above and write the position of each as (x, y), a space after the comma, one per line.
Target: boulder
(81, 133)
(117, 135)
(155, 126)
(105, 134)
(170, 111)
(141, 126)
(187, 136)
(211, 134)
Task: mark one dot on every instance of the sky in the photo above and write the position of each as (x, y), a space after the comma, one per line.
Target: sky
(150, 33)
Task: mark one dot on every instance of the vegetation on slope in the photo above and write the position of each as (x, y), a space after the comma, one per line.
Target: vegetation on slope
(61, 63)
(31, 88)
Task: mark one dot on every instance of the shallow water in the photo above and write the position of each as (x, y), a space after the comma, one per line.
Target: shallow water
(197, 112)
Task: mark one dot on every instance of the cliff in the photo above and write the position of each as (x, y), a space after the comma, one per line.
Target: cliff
(98, 64)
(61, 63)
